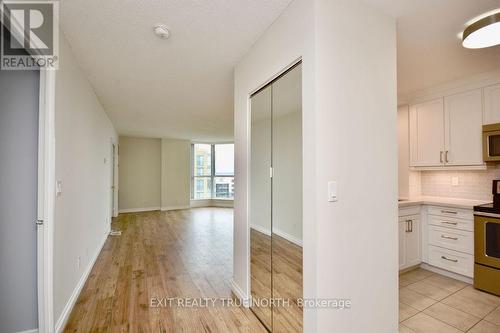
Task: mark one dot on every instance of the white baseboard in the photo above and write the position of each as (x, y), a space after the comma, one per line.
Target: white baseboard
(244, 298)
(138, 210)
(261, 229)
(278, 232)
(35, 330)
(212, 203)
(174, 208)
(63, 318)
(288, 237)
(452, 275)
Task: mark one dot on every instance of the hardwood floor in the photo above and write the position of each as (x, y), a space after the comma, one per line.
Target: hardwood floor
(184, 253)
(284, 283)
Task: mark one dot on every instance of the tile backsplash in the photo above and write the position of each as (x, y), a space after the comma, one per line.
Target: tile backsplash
(471, 184)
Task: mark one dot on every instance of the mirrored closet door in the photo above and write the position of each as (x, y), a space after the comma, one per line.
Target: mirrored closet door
(276, 202)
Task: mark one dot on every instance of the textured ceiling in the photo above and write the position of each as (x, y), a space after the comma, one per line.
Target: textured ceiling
(181, 87)
(429, 50)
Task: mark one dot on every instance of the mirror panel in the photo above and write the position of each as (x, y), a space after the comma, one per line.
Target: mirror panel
(287, 200)
(260, 204)
(276, 203)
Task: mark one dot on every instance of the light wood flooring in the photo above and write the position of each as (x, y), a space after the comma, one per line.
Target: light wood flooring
(432, 303)
(184, 253)
(285, 282)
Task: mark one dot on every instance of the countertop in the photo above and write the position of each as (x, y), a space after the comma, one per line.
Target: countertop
(449, 202)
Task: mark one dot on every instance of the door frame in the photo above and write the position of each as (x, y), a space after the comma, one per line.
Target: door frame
(46, 201)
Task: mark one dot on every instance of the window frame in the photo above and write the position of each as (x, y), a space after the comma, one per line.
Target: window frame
(212, 175)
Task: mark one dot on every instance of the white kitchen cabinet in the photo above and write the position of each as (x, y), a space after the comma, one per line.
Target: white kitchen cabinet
(402, 225)
(491, 104)
(427, 134)
(409, 241)
(447, 132)
(463, 129)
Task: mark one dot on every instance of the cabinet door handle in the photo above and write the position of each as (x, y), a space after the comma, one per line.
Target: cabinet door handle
(454, 260)
(448, 237)
(448, 222)
(449, 212)
(411, 225)
(407, 226)
(446, 157)
(441, 157)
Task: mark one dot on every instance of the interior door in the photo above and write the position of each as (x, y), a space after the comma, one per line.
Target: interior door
(112, 178)
(463, 128)
(287, 200)
(427, 134)
(260, 205)
(19, 113)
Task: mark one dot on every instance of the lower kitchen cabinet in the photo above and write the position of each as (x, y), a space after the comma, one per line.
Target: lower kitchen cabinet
(409, 241)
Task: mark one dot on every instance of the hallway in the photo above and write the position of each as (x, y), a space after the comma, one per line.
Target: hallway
(182, 253)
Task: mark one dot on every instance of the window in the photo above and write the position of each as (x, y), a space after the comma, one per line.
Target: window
(213, 171)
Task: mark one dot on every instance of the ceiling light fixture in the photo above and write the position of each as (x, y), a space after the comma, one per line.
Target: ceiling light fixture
(161, 31)
(484, 32)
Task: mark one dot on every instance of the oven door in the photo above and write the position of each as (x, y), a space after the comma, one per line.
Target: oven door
(487, 241)
(491, 146)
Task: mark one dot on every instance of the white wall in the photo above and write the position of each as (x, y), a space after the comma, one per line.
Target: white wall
(349, 122)
(287, 178)
(84, 135)
(356, 144)
(140, 174)
(175, 174)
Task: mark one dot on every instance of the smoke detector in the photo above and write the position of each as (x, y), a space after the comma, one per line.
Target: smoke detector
(161, 31)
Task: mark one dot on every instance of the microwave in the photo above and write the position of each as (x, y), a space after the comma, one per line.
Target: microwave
(491, 143)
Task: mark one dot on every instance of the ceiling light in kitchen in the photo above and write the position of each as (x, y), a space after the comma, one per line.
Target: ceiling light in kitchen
(484, 32)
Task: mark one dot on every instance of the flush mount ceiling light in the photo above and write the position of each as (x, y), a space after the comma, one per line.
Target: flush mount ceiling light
(484, 32)
(161, 31)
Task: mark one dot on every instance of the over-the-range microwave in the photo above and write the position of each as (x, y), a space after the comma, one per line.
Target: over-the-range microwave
(491, 143)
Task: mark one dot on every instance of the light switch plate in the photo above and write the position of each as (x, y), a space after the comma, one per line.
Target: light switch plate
(58, 188)
(332, 191)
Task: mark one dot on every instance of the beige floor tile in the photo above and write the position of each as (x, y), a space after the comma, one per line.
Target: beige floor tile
(445, 282)
(404, 329)
(406, 311)
(429, 290)
(414, 299)
(415, 275)
(456, 318)
(479, 295)
(472, 301)
(422, 323)
(494, 317)
(403, 282)
(485, 327)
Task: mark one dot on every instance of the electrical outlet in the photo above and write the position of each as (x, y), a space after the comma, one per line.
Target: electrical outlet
(454, 181)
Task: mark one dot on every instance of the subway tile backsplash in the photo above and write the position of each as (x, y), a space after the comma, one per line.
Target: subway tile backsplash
(471, 184)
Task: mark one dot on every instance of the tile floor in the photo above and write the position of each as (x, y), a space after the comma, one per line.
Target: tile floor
(430, 302)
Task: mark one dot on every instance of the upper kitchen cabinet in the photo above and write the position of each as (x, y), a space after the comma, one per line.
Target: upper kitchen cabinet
(492, 104)
(427, 134)
(446, 132)
(463, 129)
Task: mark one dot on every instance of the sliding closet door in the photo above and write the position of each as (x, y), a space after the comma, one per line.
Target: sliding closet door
(260, 205)
(287, 200)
